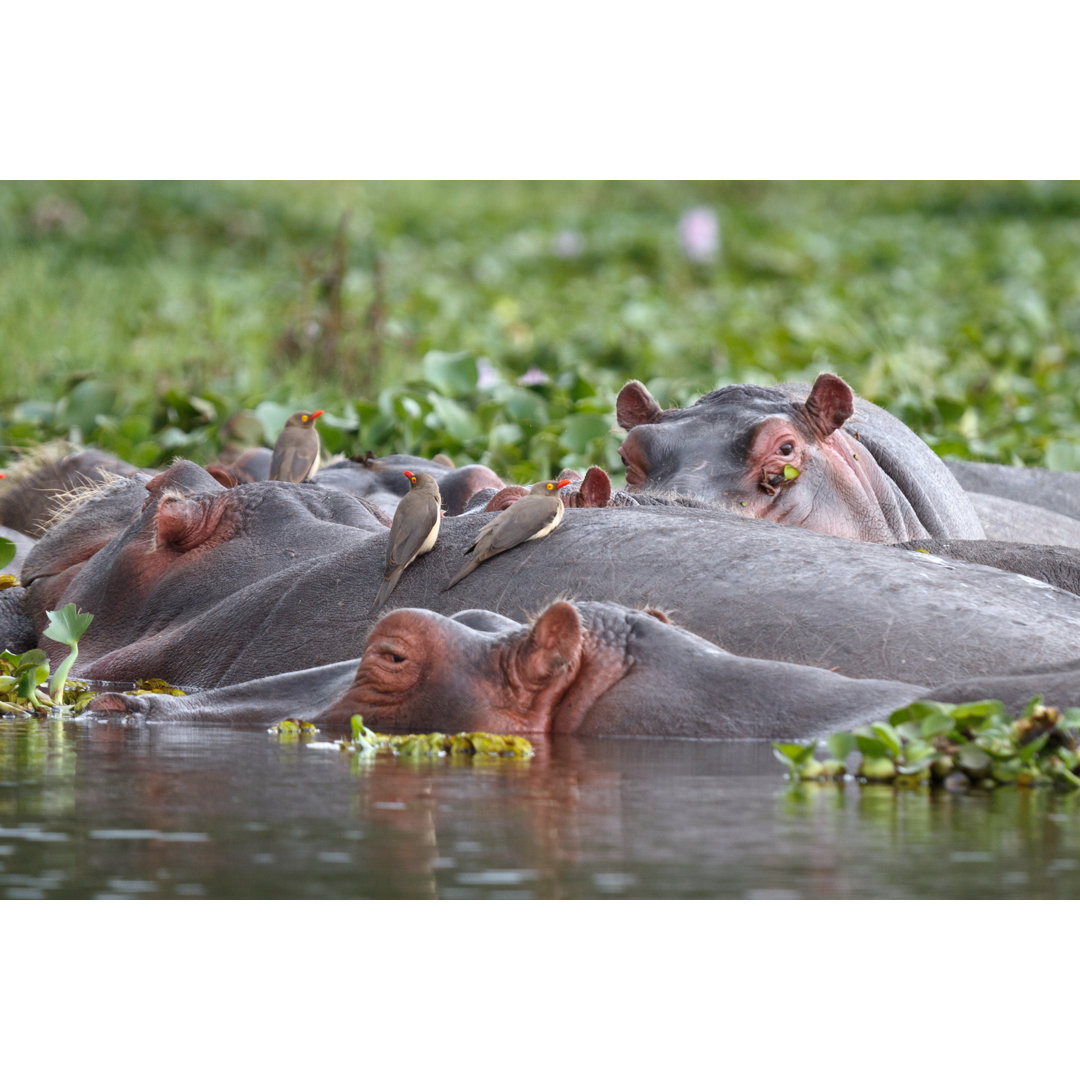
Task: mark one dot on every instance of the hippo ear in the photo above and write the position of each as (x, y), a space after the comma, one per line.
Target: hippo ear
(552, 651)
(595, 488)
(184, 524)
(829, 405)
(635, 405)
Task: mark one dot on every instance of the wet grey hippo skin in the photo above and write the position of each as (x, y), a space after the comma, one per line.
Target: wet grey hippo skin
(1058, 566)
(1058, 492)
(234, 585)
(816, 456)
(584, 669)
(28, 500)
(588, 669)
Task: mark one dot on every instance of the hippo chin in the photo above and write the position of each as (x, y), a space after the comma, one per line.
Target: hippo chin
(816, 456)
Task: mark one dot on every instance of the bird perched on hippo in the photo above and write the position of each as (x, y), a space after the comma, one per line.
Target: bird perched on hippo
(296, 452)
(413, 532)
(206, 586)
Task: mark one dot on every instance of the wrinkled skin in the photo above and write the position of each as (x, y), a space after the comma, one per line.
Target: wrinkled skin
(27, 503)
(815, 457)
(279, 587)
(588, 669)
(189, 543)
(584, 669)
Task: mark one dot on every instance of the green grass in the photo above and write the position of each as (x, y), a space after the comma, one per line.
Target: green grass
(140, 316)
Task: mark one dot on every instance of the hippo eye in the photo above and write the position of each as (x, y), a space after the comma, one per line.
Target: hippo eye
(787, 448)
(396, 658)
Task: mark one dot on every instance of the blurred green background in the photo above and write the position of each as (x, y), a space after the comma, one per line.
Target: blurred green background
(496, 322)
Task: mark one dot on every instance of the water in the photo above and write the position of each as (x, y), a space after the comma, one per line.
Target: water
(105, 809)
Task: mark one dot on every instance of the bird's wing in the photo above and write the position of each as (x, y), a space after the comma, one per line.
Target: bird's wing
(294, 460)
(520, 521)
(409, 531)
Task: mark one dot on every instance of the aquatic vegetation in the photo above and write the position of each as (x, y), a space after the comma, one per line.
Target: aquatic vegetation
(957, 746)
(66, 626)
(435, 744)
(154, 686)
(23, 676)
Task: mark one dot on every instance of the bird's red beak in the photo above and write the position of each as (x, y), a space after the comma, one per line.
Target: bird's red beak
(561, 483)
(316, 415)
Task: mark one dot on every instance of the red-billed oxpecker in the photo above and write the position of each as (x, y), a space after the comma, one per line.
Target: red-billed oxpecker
(532, 516)
(296, 452)
(413, 532)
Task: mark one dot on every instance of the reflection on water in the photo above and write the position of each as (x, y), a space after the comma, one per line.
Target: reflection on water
(91, 809)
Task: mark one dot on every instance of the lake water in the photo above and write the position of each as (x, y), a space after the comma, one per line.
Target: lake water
(106, 809)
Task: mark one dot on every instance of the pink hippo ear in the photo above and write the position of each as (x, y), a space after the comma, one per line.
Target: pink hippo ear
(595, 488)
(551, 654)
(829, 405)
(184, 524)
(635, 405)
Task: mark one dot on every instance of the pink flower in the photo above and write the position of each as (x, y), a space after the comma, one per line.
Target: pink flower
(486, 375)
(533, 377)
(699, 234)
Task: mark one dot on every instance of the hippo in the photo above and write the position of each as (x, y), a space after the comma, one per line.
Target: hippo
(584, 669)
(32, 493)
(815, 456)
(591, 669)
(1058, 492)
(382, 480)
(258, 580)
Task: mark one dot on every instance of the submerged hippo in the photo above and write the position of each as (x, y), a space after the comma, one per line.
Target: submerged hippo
(812, 456)
(582, 669)
(590, 669)
(234, 585)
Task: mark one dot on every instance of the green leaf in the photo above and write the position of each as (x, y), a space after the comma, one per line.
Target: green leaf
(790, 472)
(7, 551)
(871, 747)
(67, 625)
(794, 754)
(841, 744)
(579, 430)
(450, 373)
(888, 736)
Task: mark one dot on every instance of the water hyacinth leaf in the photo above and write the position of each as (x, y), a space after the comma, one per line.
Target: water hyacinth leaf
(1030, 750)
(888, 736)
(790, 472)
(870, 746)
(979, 714)
(974, 761)
(793, 753)
(580, 429)
(457, 422)
(66, 626)
(450, 373)
(841, 744)
(7, 550)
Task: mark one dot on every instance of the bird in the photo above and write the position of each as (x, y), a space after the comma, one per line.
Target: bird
(413, 532)
(532, 516)
(296, 452)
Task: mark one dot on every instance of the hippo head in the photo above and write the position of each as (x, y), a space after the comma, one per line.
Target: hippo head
(187, 544)
(769, 452)
(425, 672)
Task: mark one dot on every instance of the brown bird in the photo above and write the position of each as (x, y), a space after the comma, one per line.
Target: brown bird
(413, 532)
(532, 516)
(296, 452)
